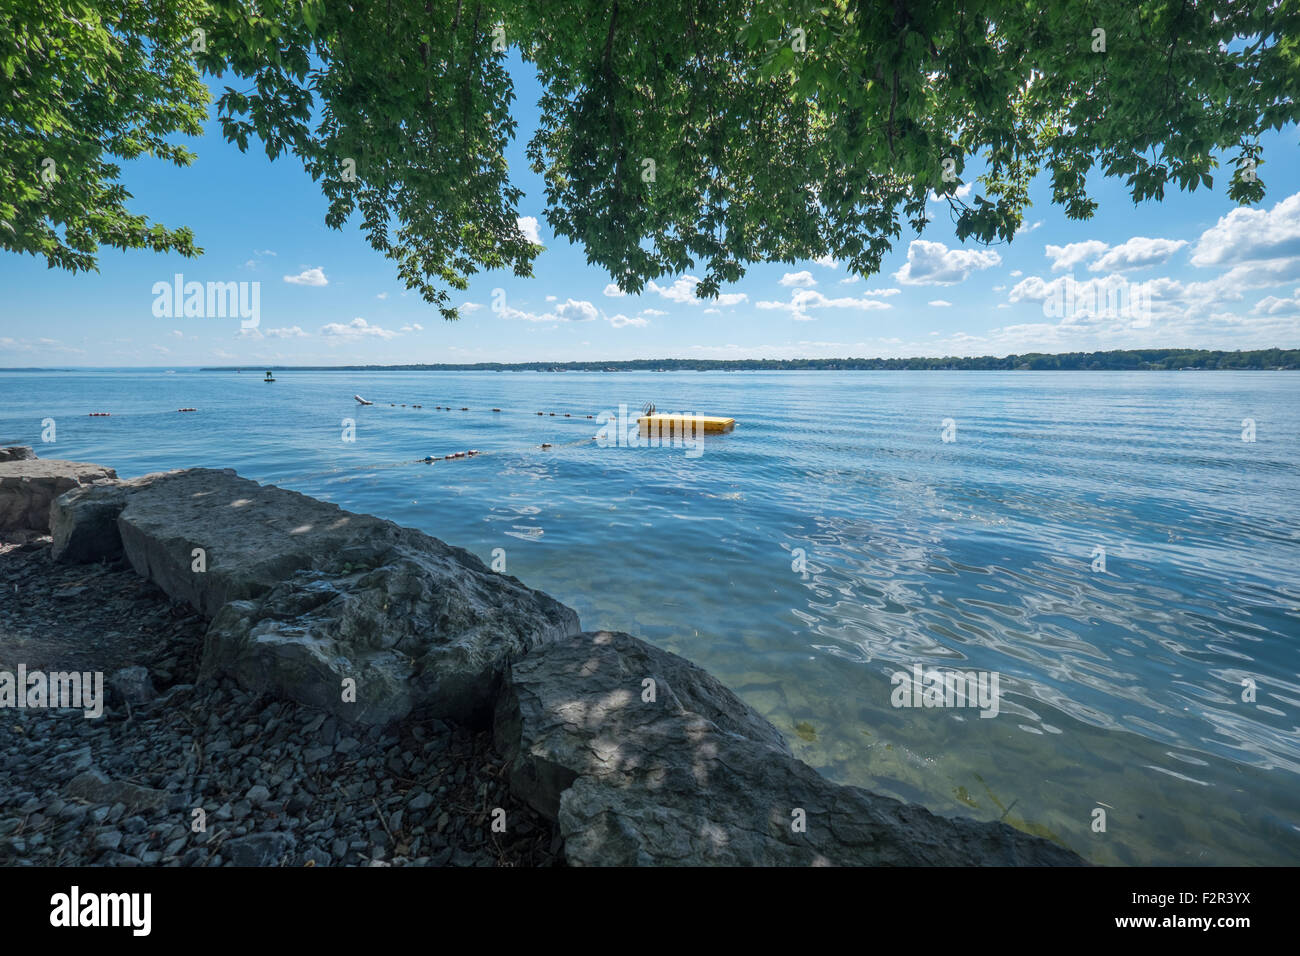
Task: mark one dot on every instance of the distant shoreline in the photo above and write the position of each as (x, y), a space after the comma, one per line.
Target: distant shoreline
(1120, 360)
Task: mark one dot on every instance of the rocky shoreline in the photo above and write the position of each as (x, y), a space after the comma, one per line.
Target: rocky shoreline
(281, 783)
(325, 688)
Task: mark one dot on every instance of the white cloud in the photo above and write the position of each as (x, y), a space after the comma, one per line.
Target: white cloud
(850, 280)
(730, 298)
(933, 263)
(963, 191)
(802, 279)
(653, 312)
(1138, 253)
(178, 333)
(712, 311)
(613, 291)
(571, 310)
(801, 300)
(1247, 234)
(413, 327)
(314, 277)
(1248, 275)
(528, 226)
(54, 345)
(357, 328)
(469, 307)
(1016, 273)
(294, 332)
(574, 310)
(382, 295)
(263, 252)
(683, 291)
(1068, 256)
(1272, 305)
(551, 298)
(826, 262)
(622, 321)
(940, 303)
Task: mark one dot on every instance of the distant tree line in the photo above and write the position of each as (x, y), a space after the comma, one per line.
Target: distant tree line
(1115, 360)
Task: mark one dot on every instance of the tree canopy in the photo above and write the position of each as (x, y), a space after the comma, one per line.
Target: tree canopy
(673, 136)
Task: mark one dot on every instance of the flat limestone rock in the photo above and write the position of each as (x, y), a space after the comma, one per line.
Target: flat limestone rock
(641, 757)
(16, 453)
(695, 777)
(83, 522)
(304, 595)
(28, 486)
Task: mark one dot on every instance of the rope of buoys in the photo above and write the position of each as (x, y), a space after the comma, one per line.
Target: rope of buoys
(466, 408)
(430, 459)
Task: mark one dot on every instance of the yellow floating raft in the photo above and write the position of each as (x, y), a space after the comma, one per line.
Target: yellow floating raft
(667, 424)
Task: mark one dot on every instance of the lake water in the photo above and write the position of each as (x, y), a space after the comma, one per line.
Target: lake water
(835, 538)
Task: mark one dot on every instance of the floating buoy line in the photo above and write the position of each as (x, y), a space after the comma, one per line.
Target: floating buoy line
(710, 424)
(432, 459)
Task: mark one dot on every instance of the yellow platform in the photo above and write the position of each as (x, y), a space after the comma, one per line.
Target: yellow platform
(666, 424)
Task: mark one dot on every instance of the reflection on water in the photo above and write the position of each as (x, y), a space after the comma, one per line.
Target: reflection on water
(1105, 542)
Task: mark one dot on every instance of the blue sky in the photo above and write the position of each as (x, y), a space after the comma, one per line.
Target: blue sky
(1210, 275)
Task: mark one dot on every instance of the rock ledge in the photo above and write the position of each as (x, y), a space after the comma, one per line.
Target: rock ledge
(640, 756)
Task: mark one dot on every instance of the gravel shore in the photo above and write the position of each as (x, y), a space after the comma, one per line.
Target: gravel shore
(278, 783)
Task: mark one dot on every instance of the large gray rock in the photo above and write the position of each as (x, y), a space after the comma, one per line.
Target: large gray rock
(696, 778)
(550, 733)
(418, 626)
(304, 595)
(16, 453)
(83, 522)
(28, 486)
(133, 685)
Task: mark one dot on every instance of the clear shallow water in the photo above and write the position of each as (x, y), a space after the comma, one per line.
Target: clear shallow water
(1119, 689)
